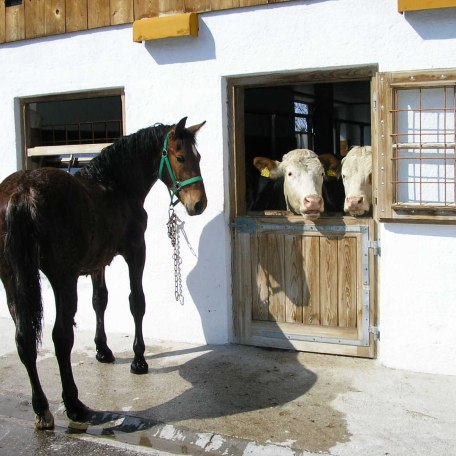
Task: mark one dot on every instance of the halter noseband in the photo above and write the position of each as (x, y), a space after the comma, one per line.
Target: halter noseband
(177, 185)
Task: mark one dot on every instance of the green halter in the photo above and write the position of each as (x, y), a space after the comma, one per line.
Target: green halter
(177, 185)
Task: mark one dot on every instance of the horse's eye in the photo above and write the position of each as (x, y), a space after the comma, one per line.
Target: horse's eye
(180, 158)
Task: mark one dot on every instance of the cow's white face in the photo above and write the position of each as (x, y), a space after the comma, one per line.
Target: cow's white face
(303, 179)
(357, 178)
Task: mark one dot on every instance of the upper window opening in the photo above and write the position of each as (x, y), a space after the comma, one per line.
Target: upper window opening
(13, 2)
(66, 133)
(324, 117)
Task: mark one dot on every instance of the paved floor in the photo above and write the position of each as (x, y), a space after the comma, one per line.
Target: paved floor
(236, 400)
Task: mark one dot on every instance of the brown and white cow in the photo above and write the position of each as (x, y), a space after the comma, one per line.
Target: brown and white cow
(303, 175)
(357, 179)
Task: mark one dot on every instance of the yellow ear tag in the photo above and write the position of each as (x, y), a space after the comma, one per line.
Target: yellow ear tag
(331, 173)
(265, 172)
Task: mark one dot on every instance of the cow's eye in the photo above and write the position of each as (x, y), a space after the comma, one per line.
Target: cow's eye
(290, 173)
(180, 159)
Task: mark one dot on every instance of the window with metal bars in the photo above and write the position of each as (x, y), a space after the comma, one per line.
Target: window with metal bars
(416, 142)
(424, 147)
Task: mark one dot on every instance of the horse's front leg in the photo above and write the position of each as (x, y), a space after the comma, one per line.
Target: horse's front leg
(99, 302)
(65, 291)
(135, 256)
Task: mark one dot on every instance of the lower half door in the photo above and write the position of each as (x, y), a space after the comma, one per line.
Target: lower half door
(305, 286)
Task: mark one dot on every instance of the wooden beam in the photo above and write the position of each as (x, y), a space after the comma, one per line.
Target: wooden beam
(67, 149)
(415, 5)
(165, 27)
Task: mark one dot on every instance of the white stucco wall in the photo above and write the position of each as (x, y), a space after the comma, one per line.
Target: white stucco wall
(168, 79)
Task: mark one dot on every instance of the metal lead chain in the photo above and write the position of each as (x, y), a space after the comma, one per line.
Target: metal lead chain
(173, 234)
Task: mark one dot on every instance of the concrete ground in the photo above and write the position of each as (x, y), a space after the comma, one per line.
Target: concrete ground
(233, 400)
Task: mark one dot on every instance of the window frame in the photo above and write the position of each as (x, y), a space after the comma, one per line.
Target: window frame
(89, 149)
(386, 85)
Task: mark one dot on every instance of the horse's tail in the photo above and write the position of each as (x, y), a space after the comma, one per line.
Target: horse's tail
(22, 252)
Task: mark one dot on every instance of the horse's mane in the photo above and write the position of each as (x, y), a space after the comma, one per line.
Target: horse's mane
(122, 164)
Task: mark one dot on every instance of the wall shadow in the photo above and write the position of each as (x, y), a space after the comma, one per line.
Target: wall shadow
(424, 23)
(186, 49)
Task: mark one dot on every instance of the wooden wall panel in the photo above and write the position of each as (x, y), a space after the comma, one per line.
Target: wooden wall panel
(14, 23)
(54, 17)
(260, 279)
(145, 8)
(2, 22)
(76, 15)
(224, 4)
(311, 283)
(121, 11)
(171, 6)
(34, 18)
(328, 281)
(275, 267)
(347, 293)
(98, 12)
(197, 6)
(294, 274)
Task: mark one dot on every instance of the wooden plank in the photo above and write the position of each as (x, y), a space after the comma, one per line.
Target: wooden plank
(328, 281)
(121, 11)
(243, 280)
(34, 18)
(14, 23)
(197, 6)
(217, 5)
(243, 3)
(171, 6)
(311, 280)
(76, 15)
(54, 17)
(415, 5)
(276, 273)
(347, 282)
(2, 22)
(294, 273)
(98, 12)
(145, 8)
(260, 289)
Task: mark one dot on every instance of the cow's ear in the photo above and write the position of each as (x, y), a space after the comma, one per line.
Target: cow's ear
(267, 167)
(331, 165)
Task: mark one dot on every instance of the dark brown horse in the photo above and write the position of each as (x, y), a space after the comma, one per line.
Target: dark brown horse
(67, 226)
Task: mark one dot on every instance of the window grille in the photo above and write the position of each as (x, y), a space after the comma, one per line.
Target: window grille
(423, 141)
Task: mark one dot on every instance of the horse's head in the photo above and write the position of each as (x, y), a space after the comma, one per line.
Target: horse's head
(184, 160)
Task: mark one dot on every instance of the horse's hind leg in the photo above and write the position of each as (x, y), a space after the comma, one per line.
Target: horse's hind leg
(26, 344)
(65, 292)
(100, 301)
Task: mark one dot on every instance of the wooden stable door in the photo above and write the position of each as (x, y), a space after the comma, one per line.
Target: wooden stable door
(305, 286)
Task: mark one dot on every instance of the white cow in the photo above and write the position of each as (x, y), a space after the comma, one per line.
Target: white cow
(357, 179)
(303, 175)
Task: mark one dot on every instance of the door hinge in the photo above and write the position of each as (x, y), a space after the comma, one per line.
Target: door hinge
(375, 330)
(375, 246)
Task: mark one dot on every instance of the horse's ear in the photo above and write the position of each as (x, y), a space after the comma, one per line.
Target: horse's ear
(195, 128)
(180, 127)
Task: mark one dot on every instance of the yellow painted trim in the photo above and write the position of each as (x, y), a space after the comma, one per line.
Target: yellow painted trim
(155, 28)
(415, 5)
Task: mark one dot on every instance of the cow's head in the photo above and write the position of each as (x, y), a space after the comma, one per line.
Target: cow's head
(303, 175)
(357, 179)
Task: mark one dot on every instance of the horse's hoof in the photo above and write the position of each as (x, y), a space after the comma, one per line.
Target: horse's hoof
(78, 412)
(105, 356)
(44, 422)
(139, 367)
